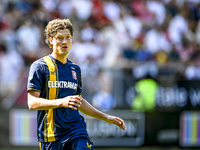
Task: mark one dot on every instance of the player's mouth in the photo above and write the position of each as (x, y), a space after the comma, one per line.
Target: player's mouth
(65, 47)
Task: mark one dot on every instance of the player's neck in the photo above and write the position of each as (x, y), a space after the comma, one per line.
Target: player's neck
(61, 58)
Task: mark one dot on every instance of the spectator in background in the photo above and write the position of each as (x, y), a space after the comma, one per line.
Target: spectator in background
(88, 32)
(192, 72)
(177, 27)
(111, 10)
(171, 7)
(83, 8)
(130, 21)
(193, 31)
(11, 67)
(157, 8)
(98, 16)
(112, 47)
(29, 36)
(141, 11)
(121, 31)
(156, 40)
(50, 5)
(186, 50)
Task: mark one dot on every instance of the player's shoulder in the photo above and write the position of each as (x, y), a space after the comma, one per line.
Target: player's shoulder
(39, 61)
(38, 64)
(72, 64)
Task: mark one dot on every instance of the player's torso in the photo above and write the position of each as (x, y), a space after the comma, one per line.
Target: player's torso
(64, 78)
(60, 80)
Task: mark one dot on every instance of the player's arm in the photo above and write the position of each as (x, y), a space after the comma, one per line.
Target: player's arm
(89, 110)
(37, 103)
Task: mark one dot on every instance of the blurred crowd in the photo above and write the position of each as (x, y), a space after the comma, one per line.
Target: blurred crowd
(140, 35)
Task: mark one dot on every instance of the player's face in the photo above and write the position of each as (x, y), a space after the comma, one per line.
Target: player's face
(62, 42)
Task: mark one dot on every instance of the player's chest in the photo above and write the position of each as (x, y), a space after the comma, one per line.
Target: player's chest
(62, 75)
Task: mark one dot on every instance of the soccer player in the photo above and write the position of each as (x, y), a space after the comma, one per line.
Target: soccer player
(54, 89)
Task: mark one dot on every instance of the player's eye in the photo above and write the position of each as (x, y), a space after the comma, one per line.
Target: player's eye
(60, 38)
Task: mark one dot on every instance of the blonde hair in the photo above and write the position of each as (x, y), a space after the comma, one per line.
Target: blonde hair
(55, 25)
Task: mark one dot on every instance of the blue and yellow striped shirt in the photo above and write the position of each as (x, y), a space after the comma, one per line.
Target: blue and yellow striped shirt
(56, 80)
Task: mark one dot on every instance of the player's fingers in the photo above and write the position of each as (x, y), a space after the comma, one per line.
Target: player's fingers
(121, 123)
(76, 97)
(72, 107)
(76, 101)
(74, 104)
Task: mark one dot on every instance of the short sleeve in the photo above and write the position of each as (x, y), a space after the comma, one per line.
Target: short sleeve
(35, 78)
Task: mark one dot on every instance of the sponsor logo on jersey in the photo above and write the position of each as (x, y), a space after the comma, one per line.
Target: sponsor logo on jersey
(62, 84)
(74, 75)
(51, 72)
(89, 145)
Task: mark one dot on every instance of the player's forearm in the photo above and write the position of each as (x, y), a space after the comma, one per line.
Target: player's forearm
(89, 110)
(36, 103)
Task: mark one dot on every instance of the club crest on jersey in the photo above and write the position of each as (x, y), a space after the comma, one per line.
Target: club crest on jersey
(74, 75)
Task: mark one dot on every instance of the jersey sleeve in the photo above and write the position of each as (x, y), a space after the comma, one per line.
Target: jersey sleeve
(79, 88)
(35, 78)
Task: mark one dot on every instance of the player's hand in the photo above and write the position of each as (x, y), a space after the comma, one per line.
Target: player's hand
(72, 102)
(117, 121)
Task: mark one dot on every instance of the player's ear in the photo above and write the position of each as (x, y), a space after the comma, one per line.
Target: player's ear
(51, 40)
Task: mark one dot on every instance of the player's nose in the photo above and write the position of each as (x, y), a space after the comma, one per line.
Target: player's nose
(65, 40)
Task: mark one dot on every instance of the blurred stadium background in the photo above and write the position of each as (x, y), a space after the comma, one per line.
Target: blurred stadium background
(140, 60)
